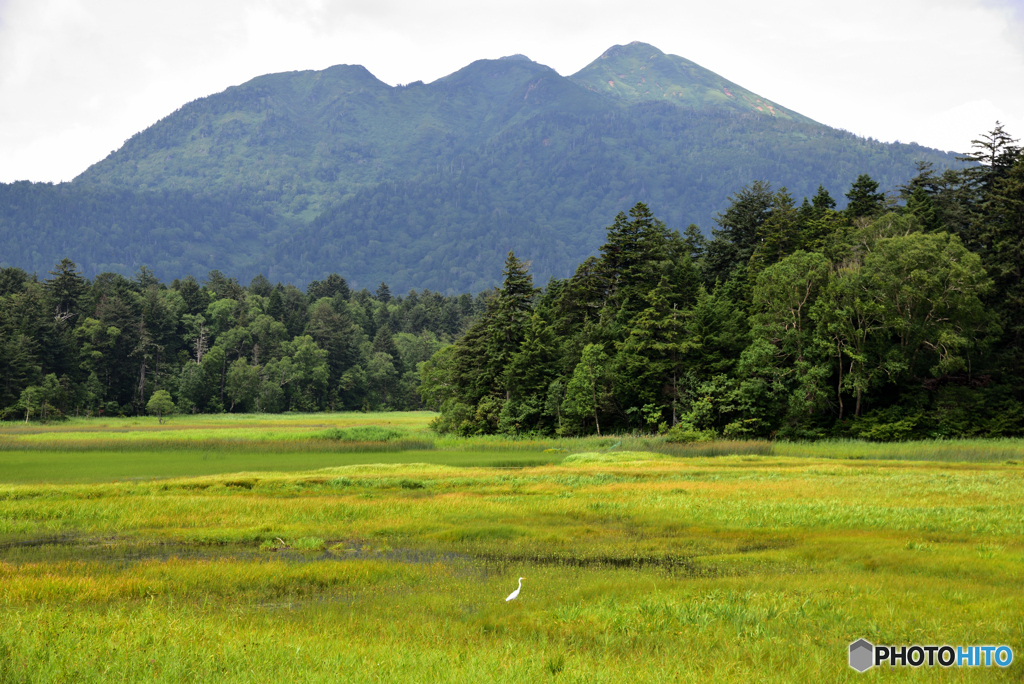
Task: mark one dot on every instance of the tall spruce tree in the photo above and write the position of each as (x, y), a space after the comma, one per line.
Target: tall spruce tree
(384, 342)
(634, 256)
(737, 235)
(1002, 234)
(508, 318)
(779, 234)
(650, 362)
(922, 208)
(822, 201)
(66, 288)
(864, 199)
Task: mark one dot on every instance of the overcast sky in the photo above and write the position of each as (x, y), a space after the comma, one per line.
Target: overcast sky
(78, 77)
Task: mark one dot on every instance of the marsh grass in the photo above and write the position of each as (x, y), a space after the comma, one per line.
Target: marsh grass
(947, 450)
(368, 433)
(409, 431)
(635, 564)
(341, 547)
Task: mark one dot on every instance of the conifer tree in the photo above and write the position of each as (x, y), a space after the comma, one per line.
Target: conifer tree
(384, 342)
(921, 207)
(650, 361)
(333, 286)
(334, 333)
(864, 198)
(275, 307)
(633, 256)
(1003, 237)
(694, 241)
(994, 155)
(736, 237)
(509, 317)
(192, 293)
(535, 364)
(822, 201)
(66, 287)
(261, 286)
(778, 235)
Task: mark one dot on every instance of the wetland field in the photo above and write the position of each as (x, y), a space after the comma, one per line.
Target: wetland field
(364, 548)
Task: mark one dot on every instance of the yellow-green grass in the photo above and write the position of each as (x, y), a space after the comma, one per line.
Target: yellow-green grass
(146, 463)
(960, 450)
(311, 432)
(246, 429)
(417, 420)
(638, 567)
(97, 450)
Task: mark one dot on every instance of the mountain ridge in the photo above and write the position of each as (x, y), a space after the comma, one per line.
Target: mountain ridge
(266, 102)
(304, 173)
(685, 82)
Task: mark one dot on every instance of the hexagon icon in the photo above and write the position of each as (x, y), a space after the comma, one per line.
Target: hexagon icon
(862, 655)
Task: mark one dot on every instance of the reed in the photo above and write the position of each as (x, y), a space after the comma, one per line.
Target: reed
(637, 566)
(322, 548)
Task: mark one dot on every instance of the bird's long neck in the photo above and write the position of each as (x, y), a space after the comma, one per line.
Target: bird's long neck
(520, 584)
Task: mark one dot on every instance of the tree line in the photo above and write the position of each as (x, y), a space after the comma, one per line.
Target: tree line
(107, 346)
(900, 316)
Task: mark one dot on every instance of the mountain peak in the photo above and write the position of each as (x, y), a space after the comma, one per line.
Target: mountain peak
(634, 48)
(639, 72)
(302, 173)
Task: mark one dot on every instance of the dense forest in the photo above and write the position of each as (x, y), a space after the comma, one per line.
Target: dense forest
(301, 174)
(897, 317)
(107, 346)
(901, 315)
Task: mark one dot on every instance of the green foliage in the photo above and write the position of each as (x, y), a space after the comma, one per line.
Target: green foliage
(795, 321)
(826, 324)
(740, 227)
(160, 404)
(585, 389)
(362, 434)
(299, 175)
(864, 200)
(70, 346)
(685, 434)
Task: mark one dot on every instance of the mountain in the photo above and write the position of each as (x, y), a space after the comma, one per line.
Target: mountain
(300, 174)
(642, 73)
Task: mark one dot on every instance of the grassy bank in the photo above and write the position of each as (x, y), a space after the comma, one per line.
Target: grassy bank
(99, 450)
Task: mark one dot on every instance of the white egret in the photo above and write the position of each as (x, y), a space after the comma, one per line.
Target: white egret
(515, 593)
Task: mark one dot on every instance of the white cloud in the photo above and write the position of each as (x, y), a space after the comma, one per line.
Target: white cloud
(78, 77)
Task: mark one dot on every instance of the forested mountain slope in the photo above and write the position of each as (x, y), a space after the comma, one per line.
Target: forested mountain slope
(299, 174)
(638, 73)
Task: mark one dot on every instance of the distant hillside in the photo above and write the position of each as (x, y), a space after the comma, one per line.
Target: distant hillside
(642, 73)
(429, 185)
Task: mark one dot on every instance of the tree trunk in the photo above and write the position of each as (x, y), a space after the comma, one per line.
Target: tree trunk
(142, 387)
(675, 394)
(839, 385)
(223, 377)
